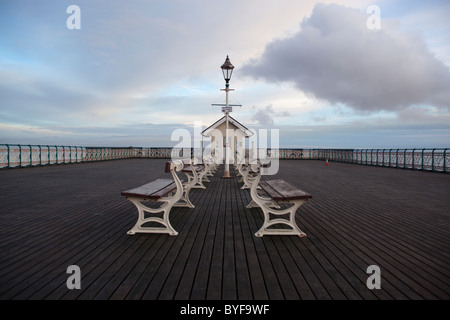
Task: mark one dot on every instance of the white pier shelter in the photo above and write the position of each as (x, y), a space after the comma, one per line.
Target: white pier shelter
(237, 132)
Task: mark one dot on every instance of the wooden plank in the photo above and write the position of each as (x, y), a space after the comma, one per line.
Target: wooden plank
(152, 190)
(118, 278)
(189, 168)
(201, 283)
(65, 257)
(229, 283)
(200, 245)
(174, 257)
(214, 288)
(165, 191)
(137, 273)
(258, 284)
(187, 258)
(280, 190)
(164, 254)
(271, 192)
(243, 279)
(273, 288)
(36, 258)
(347, 263)
(377, 252)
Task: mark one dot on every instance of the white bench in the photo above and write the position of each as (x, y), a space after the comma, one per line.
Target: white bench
(169, 192)
(277, 192)
(247, 174)
(211, 166)
(195, 174)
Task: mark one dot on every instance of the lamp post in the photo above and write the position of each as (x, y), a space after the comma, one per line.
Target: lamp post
(227, 70)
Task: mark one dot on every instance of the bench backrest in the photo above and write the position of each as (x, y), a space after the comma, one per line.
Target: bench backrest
(168, 165)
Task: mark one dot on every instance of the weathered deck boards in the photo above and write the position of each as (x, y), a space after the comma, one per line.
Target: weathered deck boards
(52, 217)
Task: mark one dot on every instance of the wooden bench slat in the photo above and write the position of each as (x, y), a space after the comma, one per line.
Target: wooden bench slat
(161, 193)
(197, 168)
(280, 190)
(270, 191)
(153, 190)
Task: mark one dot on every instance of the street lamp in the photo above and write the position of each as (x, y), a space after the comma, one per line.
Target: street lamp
(227, 70)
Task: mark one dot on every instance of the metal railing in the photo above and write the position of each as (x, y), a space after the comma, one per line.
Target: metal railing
(16, 155)
(32, 155)
(419, 159)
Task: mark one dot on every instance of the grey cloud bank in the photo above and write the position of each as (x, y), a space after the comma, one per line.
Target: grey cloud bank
(335, 57)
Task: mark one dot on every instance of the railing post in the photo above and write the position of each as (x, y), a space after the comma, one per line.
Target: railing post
(7, 155)
(404, 159)
(20, 155)
(432, 159)
(31, 156)
(396, 159)
(40, 155)
(445, 157)
(423, 150)
(390, 157)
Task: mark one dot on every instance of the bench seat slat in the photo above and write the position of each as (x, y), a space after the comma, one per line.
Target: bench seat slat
(281, 190)
(153, 190)
(197, 168)
(270, 191)
(161, 193)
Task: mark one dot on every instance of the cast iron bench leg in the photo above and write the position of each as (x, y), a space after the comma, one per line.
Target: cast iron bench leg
(164, 221)
(292, 229)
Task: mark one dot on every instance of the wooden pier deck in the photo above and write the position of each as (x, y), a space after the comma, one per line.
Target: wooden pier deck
(55, 216)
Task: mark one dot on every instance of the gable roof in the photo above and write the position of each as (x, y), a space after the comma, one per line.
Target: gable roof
(231, 120)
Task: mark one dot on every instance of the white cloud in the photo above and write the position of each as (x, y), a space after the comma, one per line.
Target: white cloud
(335, 57)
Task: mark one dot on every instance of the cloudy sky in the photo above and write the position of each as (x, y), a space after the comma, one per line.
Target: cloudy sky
(338, 74)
